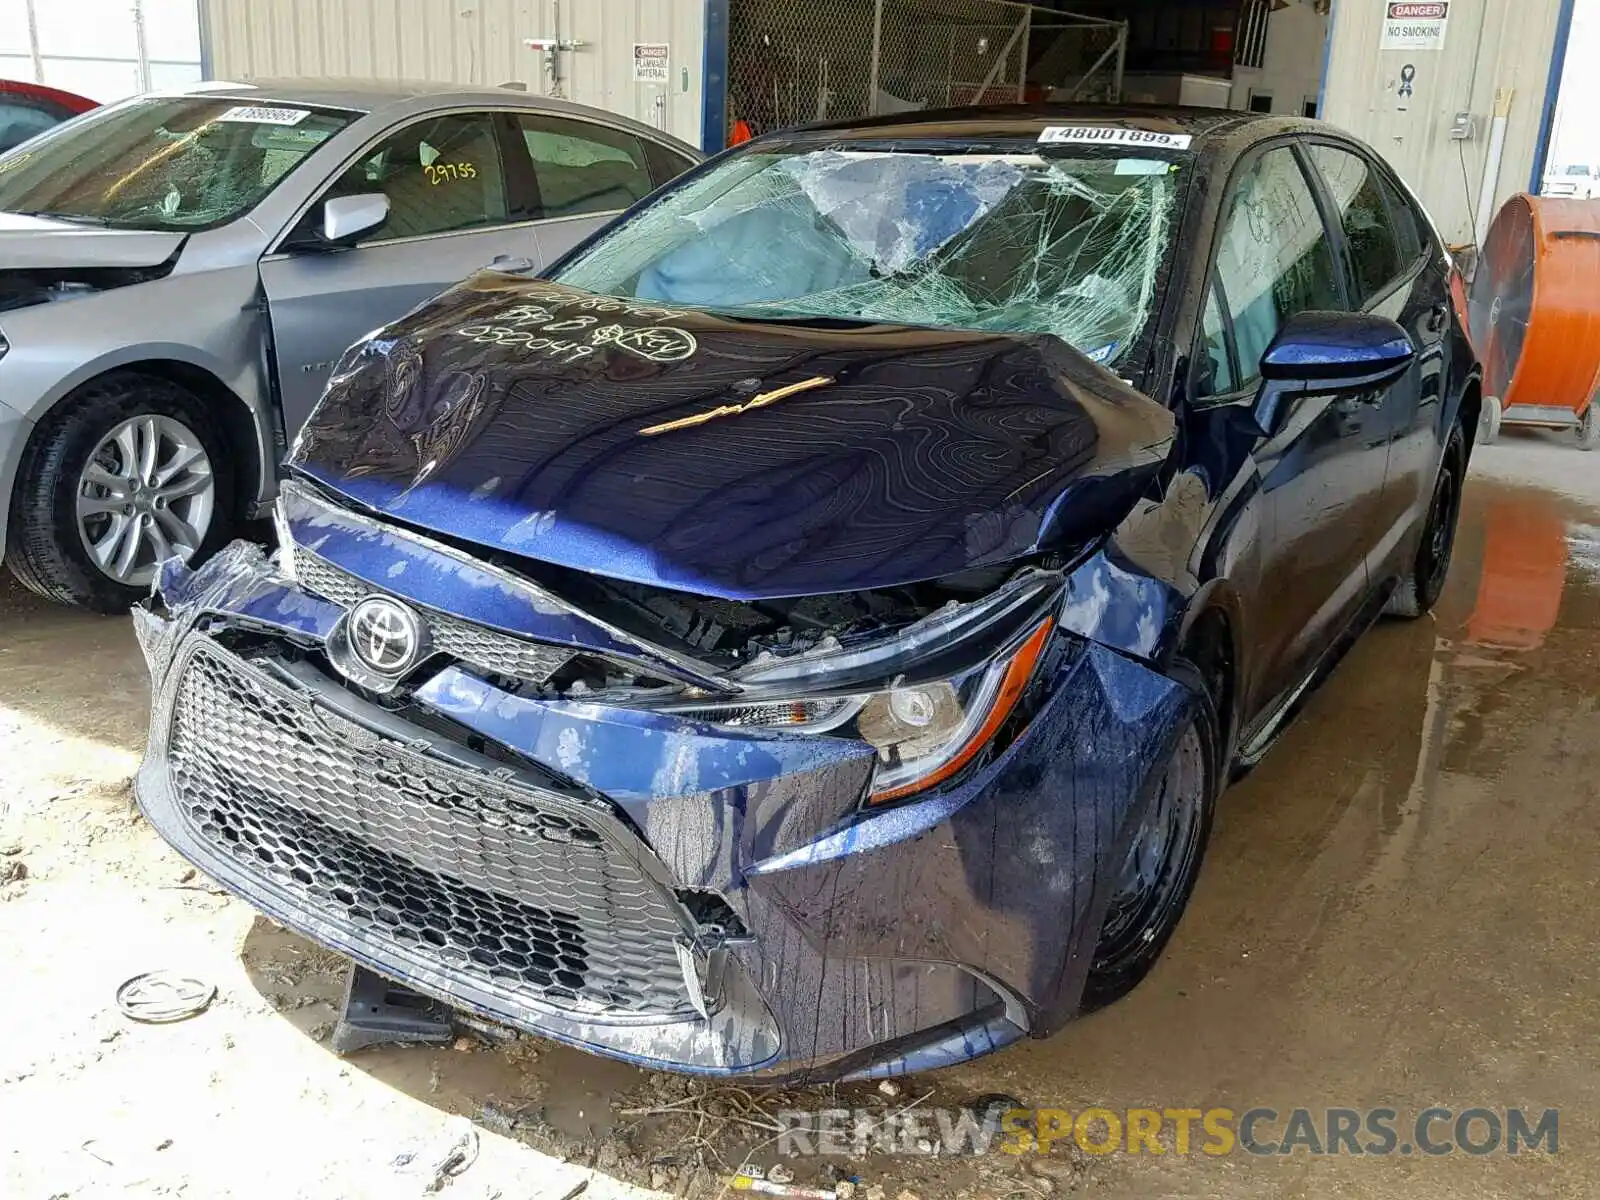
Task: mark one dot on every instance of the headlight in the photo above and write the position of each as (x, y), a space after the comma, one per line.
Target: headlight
(924, 733)
(795, 716)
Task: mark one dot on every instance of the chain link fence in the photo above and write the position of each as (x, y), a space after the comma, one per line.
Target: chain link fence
(793, 64)
(1080, 57)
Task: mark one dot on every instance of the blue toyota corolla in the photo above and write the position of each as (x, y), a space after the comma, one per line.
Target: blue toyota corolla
(805, 632)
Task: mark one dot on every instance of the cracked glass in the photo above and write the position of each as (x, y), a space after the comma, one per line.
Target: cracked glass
(165, 163)
(1008, 242)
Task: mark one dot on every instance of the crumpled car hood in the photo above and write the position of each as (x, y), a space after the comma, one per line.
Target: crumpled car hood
(29, 243)
(728, 457)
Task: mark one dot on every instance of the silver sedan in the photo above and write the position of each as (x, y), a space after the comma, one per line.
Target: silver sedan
(179, 273)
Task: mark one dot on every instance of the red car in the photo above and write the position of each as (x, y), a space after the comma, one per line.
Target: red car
(27, 109)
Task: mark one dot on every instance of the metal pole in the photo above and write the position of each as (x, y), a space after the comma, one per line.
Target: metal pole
(1000, 60)
(1022, 68)
(877, 52)
(949, 60)
(1122, 62)
(33, 44)
(1491, 166)
(555, 55)
(139, 42)
(1098, 63)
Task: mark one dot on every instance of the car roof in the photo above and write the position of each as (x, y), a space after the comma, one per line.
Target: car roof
(39, 91)
(1003, 121)
(376, 96)
(360, 95)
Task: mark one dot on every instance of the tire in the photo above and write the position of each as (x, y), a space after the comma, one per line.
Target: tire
(1589, 427)
(1148, 903)
(1489, 421)
(56, 509)
(1420, 587)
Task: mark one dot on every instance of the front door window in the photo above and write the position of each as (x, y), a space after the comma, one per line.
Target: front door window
(441, 175)
(1274, 259)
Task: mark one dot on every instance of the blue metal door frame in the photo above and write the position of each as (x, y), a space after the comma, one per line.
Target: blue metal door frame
(714, 102)
(1552, 94)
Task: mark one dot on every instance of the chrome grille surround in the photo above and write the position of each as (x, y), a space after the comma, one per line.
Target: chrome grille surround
(463, 877)
(485, 648)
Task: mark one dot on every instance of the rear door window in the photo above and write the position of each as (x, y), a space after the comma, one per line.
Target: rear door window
(665, 165)
(583, 167)
(1410, 224)
(1377, 259)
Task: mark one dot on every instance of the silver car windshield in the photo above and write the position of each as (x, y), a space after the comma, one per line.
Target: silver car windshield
(169, 163)
(1015, 242)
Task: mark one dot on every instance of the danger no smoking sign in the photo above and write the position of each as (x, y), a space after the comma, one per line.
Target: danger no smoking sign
(1414, 25)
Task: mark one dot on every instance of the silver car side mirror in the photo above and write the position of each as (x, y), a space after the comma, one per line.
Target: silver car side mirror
(345, 218)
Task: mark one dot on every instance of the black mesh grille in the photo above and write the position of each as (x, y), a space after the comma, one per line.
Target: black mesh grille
(514, 888)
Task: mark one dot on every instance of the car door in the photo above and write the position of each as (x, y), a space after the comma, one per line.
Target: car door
(1392, 274)
(585, 173)
(454, 205)
(1322, 463)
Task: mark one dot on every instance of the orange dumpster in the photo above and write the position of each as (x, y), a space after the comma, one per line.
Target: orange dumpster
(1535, 316)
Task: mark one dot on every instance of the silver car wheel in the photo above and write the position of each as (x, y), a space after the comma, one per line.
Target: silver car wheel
(147, 494)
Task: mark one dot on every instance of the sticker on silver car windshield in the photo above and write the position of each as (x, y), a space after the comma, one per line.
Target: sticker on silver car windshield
(1106, 135)
(258, 114)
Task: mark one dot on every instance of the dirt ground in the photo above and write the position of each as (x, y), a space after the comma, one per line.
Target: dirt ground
(1397, 910)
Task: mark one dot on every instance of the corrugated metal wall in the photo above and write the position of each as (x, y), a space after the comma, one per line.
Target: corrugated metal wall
(472, 41)
(1489, 45)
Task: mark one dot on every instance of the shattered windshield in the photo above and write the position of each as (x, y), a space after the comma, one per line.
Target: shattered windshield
(168, 163)
(1013, 242)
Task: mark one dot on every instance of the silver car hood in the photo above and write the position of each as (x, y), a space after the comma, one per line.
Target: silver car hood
(35, 242)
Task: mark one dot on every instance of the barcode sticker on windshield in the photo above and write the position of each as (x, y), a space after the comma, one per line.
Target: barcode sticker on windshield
(256, 114)
(1107, 135)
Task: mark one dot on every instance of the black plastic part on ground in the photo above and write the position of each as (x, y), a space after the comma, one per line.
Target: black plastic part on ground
(379, 1013)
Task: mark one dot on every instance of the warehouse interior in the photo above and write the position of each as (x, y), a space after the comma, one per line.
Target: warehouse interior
(1468, 118)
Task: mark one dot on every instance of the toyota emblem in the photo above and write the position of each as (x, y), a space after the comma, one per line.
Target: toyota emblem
(386, 636)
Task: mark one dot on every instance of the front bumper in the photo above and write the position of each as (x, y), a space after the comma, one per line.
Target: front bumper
(672, 893)
(15, 430)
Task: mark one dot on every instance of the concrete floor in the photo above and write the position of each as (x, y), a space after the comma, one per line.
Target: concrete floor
(1396, 910)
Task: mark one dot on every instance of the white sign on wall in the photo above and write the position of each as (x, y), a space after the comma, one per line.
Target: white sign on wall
(650, 62)
(1414, 25)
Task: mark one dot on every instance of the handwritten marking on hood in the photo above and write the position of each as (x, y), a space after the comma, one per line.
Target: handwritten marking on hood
(733, 410)
(658, 343)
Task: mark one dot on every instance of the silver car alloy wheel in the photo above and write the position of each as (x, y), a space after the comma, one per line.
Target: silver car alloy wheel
(146, 494)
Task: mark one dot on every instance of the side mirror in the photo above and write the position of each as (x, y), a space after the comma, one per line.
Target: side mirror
(1329, 352)
(346, 218)
(1338, 351)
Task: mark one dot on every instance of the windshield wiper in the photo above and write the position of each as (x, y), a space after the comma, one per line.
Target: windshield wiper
(72, 218)
(780, 317)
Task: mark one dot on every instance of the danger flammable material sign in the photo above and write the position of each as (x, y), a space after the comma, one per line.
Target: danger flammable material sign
(1414, 25)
